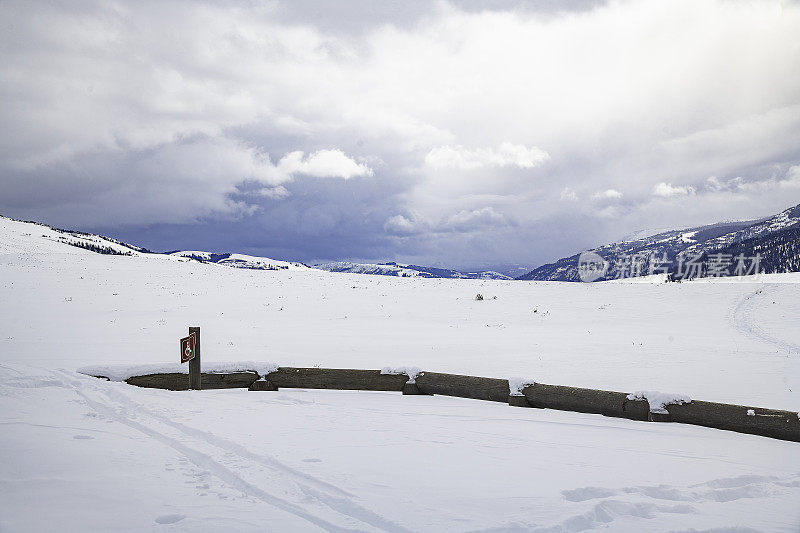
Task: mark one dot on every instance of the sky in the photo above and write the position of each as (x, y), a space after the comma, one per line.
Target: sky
(456, 134)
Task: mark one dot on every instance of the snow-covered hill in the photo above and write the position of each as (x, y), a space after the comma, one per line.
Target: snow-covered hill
(90, 455)
(380, 269)
(667, 250)
(14, 229)
(18, 236)
(241, 261)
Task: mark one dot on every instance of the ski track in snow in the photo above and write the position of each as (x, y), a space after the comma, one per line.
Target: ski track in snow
(743, 320)
(117, 404)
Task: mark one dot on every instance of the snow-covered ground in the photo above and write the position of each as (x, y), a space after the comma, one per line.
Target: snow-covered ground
(88, 455)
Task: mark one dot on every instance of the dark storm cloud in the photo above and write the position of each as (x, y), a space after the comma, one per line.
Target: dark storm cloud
(434, 132)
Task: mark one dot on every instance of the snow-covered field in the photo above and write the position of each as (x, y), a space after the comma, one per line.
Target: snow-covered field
(81, 454)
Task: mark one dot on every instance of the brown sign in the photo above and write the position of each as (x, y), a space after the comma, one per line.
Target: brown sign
(187, 348)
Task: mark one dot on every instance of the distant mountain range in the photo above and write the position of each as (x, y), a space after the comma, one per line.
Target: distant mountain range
(400, 270)
(716, 247)
(775, 239)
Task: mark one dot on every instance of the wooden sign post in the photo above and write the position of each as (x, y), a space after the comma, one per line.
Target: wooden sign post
(190, 351)
(194, 364)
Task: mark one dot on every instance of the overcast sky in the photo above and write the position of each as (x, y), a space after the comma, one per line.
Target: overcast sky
(450, 133)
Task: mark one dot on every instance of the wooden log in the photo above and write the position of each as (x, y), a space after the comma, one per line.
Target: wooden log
(773, 423)
(262, 385)
(601, 402)
(171, 381)
(777, 424)
(478, 388)
(516, 400)
(337, 379)
(411, 389)
(176, 381)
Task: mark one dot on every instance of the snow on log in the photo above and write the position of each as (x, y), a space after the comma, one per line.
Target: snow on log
(658, 401)
(411, 371)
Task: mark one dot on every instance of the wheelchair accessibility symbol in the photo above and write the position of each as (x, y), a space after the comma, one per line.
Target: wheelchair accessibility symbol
(187, 348)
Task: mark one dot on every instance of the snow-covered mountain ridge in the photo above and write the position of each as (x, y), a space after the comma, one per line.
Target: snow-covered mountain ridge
(670, 247)
(773, 238)
(401, 270)
(15, 235)
(21, 237)
(241, 261)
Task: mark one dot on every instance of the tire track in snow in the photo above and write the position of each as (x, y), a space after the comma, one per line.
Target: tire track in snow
(341, 504)
(743, 321)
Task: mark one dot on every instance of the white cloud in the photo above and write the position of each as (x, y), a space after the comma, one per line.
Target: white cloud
(608, 194)
(792, 178)
(466, 220)
(568, 195)
(713, 184)
(401, 225)
(276, 193)
(667, 190)
(463, 221)
(789, 180)
(505, 155)
(323, 164)
(179, 182)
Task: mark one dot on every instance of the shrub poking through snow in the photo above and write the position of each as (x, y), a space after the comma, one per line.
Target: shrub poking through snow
(659, 401)
(479, 297)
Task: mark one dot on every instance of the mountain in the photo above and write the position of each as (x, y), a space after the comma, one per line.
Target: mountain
(17, 236)
(400, 270)
(778, 252)
(510, 270)
(107, 245)
(380, 269)
(671, 251)
(241, 260)
(716, 247)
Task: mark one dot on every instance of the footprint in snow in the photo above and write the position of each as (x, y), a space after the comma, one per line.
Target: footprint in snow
(169, 518)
